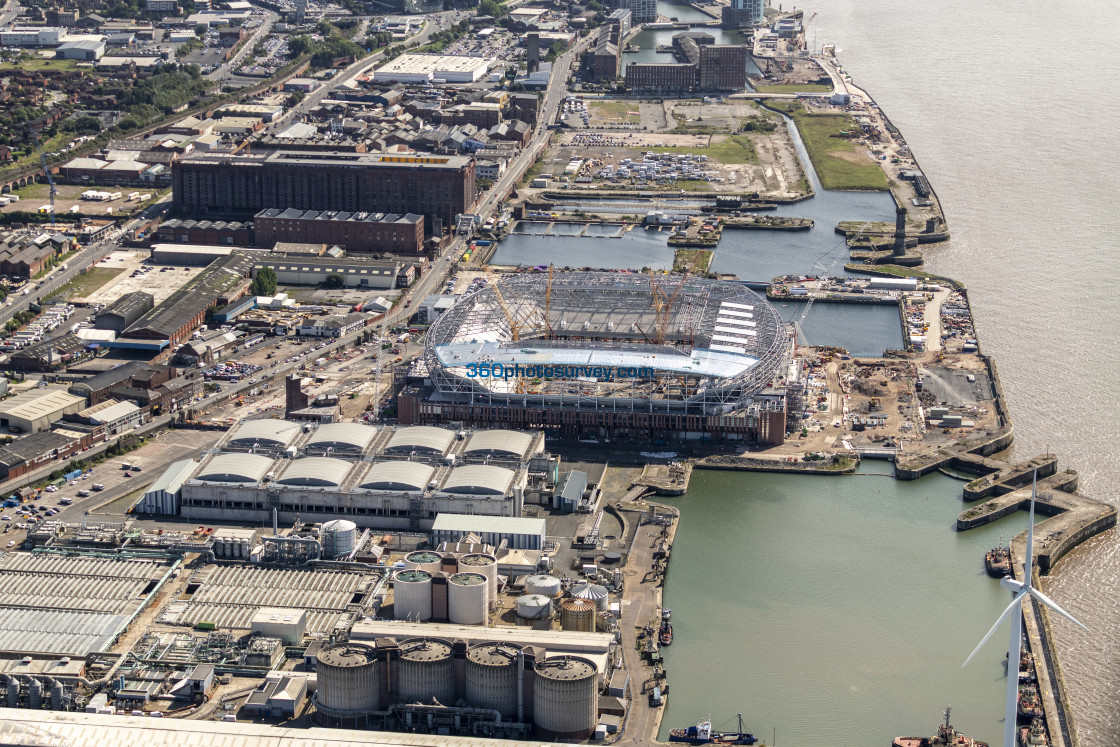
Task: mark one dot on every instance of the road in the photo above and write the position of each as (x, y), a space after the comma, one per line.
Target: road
(226, 70)
(8, 15)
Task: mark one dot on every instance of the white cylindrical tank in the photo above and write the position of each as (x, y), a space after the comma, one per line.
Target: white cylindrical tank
(594, 592)
(338, 538)
(566, 697)
(541, 584)
(424, 671)
(412, 595)
(492, 677)
(487, 565)
(534, 606)
(349, 685)
(468, 599)
(426, 559)
(577, 614)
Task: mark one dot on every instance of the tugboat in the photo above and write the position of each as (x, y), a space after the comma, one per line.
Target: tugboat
(997, 561)
(1033, 735)
(946, 736)
(702, 734)
(665, 635)
(1030, 705)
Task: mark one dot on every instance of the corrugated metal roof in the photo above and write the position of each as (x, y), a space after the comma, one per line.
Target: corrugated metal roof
(467, 523)
(115, 412)
(343, 436)
(499, 441)
(273, 433)
(235, 468)
(421, 438)
(397, 476)
(39, 402)
(316, 472)
(56, 632)
(479, 479)
(173, 477)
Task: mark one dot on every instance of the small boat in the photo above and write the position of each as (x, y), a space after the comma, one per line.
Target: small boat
(665, 635)
(997, 561)
(1030, 705)
(1033, 735)
(946, 736)
(702, 733)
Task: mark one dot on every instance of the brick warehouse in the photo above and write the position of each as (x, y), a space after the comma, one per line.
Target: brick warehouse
(355, 232)
(437, 187)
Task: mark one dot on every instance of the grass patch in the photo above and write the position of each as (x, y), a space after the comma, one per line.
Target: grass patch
(729, 149)
(84, 284)
(840, 163)
(617, 110)
(38, 65)
(684, 258)
(794, 88)
(898, 271)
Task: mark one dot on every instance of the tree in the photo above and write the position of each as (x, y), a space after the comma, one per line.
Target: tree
(334, 280)
(491, 8)
(264, 284)
(200, 30)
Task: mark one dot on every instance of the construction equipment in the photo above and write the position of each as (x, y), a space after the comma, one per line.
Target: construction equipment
(514, 327)
(822, 272)
(46, 170)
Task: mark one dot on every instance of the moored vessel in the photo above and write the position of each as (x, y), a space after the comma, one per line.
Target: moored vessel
(946, 736)
(703, 733)
(1033, 735)
(997, 561)
(1030, 705)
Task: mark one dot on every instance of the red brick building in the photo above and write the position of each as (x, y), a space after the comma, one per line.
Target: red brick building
(355, 232)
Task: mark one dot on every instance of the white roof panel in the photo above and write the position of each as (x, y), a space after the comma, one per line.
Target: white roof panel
(406, 476)
(421, 438)
(235, 468)
(500, 441)
(319, 472)
(272, 433)
(729, 312)
(347, 436)
(479, 479)
(731, 305)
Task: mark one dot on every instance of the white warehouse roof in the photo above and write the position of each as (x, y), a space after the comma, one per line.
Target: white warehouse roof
(470, 523)
(272, 433)
(345, 436)
(479, 479)
(235, 468)
(421, 438)
(316, 472)
(499, 442)
(409, 476)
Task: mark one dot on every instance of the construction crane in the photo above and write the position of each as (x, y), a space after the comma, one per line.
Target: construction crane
(548, 302)
(46, 170)
(823, 271)
(514, 327)
(663, 322)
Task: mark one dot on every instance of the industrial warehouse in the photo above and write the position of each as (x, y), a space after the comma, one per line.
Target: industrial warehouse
(606, 355)
(385, 478)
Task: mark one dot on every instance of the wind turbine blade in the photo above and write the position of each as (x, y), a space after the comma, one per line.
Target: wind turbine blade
(1054, 606)
(1013, 606)
(1028, 564)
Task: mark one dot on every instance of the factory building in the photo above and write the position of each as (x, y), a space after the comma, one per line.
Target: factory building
(36, 409)
(520, 533)
(162, 496)
(118, 315)
(356, 272)
(437, 187)
(354, 232)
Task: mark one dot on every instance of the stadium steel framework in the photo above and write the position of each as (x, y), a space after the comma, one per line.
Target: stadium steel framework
(702, 347)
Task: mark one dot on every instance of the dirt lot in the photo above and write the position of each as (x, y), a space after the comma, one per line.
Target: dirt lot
(156, 281)
(33, 196)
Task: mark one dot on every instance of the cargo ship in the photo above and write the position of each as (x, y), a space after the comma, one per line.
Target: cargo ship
(946, 736)
(702, 733)
(997, 561)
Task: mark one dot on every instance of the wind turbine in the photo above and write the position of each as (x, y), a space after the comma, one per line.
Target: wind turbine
(1021, 590)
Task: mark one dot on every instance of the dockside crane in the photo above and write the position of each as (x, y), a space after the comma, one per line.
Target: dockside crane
(46, 170)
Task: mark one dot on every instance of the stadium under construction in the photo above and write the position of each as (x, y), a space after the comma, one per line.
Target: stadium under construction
(606, 356)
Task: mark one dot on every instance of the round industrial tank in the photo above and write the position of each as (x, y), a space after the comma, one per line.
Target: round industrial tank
(425, 559)
(424, 671)
(468, 599)
(412, 595)
(541, 584)
(492, 677)
(487, 565)
(338, 537)
(349, 686)
(566, 697)
(577, 614)
(592, 592)
(534, 606)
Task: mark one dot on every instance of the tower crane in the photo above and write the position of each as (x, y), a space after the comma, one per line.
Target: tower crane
(46, 170)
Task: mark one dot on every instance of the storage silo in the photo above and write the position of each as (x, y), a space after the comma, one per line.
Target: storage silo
(592, 592)
(566, 697)
(349, 687)
(492, 677)
(424, 671)
(425, 559)
(338, 537)
(542, 584)
(467, 599)
(534, 606)
(412, 595)
(487, 565)
(577, 614)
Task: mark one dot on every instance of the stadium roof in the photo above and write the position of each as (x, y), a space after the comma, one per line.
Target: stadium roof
(421, 438)
(513, 443)
(320, 472)
(479, 479)
(407, 476)
(235, 468)
(343, 436)
(267, 432)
